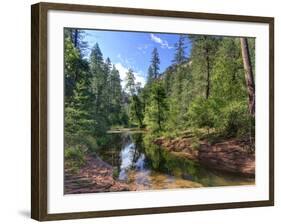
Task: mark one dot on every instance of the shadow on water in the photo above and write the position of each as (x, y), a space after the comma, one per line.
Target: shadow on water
(137, 161)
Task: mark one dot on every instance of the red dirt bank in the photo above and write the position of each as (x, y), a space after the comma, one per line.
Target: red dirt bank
(94, 176)
(228, 156)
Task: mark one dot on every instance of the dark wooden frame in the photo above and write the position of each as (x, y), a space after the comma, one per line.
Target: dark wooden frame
(39, 110)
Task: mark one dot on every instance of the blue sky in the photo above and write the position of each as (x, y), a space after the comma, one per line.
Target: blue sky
(133, 49)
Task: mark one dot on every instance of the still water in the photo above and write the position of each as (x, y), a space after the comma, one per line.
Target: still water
(146, 166)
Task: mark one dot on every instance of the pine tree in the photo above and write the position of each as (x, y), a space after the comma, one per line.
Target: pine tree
(99, 87)
(130, 82)
(180, 50)
(203, 54)
(78, 114)
(155, 115)
(115, 109)
(78, 96)
(136, 106)
(155, 62)
(150, 75)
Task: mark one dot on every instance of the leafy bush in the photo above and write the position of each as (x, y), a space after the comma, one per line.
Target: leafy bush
(235, 119)
(229, 118)
(74, 157)
(87, 142)
(201, 114)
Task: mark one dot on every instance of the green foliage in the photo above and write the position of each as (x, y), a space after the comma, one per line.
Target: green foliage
(87, 142)
(155, 115)
(136, 113)
(74, 68)
(201, 113)
(155, 62)
(130, 82)
(195, 145)
(115, 173)
(163, 160)
(228, 81)
(235, 120)
(135, 105)
(116, 113)
(74, 158)
(93, 99)
(205, 93)
(203, 55)
(180, 50)
(178, 97)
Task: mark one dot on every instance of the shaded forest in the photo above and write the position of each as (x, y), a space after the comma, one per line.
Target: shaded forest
(209, 95)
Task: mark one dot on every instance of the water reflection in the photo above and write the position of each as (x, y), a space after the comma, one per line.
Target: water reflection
(145, 165)
(132, 159)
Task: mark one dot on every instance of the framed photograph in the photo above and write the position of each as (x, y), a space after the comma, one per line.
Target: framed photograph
(139, 111)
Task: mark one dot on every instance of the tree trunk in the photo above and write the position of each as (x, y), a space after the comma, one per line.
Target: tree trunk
(249, 77)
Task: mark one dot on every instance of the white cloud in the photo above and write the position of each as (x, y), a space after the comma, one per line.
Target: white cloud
(125, 61)
(123, 70)
(158, 40)
(143, 48)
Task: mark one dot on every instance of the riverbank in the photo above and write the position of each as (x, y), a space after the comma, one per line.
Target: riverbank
(232, 155)
(95, 176)
(126, 130)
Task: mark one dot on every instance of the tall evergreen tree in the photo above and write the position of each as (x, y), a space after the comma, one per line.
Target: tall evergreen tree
(136, 107)
(155, 62)
(180, 50)
(130, 82)
(78, 96)
(116, 113)
(77, 37)
(150, 75)
(203, 54)
(156, 109)
(74, 65)
(99, 86)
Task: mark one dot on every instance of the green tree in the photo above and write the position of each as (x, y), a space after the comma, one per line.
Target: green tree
(180, 50)
(203, 54)
(135, 104)
(179, 97)
(116, 111)
(150, 75)
(155, 115)
(230, 90)
(155, 62)
(99, 88)
(74, 65)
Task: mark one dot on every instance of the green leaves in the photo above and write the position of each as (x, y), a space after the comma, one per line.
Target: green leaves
(136, 106)
(93, 96)
(155, 62)
(156, 110)
(207, 91)
(180, 50)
